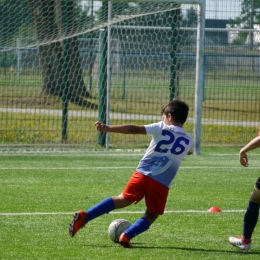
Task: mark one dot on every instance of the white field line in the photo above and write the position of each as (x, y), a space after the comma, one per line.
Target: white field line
(100, 153)
(116, 168)
(118, 212)
(86, 154)
(74, 154)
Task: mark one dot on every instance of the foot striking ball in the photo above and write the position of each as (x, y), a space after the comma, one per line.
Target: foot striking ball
(116, 228)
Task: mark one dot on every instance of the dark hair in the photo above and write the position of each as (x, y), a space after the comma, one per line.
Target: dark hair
(178, 109)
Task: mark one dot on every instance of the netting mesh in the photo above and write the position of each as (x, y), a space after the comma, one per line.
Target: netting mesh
(58, 58)
(43, 22)
(66, 63)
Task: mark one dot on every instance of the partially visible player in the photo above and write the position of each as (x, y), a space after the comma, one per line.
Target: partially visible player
(154, 174)
(251, 216)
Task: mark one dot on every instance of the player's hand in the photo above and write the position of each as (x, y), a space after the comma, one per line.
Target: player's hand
(101, 126)
(243, 159)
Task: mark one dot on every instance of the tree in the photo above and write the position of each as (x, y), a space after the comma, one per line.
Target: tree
(50, 24)
(250, 15)
(11, 20)
(190, 20)
(250, 9)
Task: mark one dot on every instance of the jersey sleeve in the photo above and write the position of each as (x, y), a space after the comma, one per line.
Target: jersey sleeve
(154, 128)
(192, 146)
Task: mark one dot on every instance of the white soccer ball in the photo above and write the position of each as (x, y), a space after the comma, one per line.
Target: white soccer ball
(116, 228)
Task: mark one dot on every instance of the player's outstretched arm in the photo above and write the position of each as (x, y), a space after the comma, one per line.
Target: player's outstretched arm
(121, 129)
(253, 144)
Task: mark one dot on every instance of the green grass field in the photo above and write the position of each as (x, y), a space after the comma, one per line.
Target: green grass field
(40, 192)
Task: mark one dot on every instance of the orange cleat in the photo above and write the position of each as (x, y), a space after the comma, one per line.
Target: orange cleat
(78, 222)
(124, 241)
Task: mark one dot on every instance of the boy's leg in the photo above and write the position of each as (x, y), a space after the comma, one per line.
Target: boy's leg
(105, 206)
(155, 204)
(252, 214)
(140, 226)
(250, 220)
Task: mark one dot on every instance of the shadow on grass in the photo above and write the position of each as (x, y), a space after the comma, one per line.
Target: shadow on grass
(139, 246)
(257, 252)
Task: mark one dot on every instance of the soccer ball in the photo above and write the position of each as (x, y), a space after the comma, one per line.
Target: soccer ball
(116, 228)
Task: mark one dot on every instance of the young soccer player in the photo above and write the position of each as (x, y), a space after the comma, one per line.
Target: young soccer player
(154, 174)
(251, 216)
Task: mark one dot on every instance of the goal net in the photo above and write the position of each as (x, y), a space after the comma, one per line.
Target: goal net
(65, 64)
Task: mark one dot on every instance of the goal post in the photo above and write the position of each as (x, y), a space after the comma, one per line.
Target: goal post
(199, 76)
(199, 73)
(199, 83)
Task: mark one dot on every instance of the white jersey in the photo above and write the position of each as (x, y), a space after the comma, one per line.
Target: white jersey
(168, 147)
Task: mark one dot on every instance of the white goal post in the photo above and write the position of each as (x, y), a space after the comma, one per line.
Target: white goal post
(199, 65)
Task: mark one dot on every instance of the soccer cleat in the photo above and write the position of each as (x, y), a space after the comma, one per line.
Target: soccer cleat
(124, 241)
(239, 242)
(78, 222)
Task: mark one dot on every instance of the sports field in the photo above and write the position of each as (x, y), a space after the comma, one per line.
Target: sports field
(41, 191)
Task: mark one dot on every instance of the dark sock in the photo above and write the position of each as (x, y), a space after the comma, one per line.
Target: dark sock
(137, 228)
(103, 207)
(250, 219)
